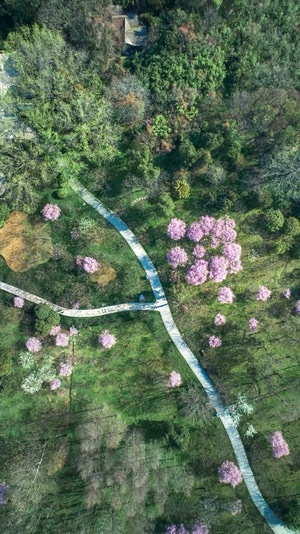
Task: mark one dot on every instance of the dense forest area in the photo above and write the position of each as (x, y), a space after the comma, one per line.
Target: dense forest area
(202, 120)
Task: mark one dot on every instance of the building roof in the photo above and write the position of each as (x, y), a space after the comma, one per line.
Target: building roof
(126, 25)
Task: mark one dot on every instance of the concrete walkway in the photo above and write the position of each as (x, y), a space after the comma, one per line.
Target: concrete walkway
(162, 307)
(271, 518)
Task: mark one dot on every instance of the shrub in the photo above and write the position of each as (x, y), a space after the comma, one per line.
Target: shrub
(165, 205)
(282, 245)
(274, 220)
(181, 189)
(33, 344)
(5, 362)
(292, 226)
(51, 212)
(19, 302)
(175, 380)
(107, 340)
(4, 213)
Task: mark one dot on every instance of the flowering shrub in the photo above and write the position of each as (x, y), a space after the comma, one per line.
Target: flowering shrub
(229, 473)
(55, 330)
(197, 273)
(226, 296)
(73, 331)
(253, 324)
(194, 232)
(263, 293)
(199, 252)
(51, 212)
(286, 294)
(33, 344)
(19, 302)
(177, 256)
(88, 264)
(219, 319)
(217, 268)
(26, 360)
(32, 383)
(3, 492)
(55, 384)
(176, 229)
(62, 340)
(65, 369)
(214, 342)
(106, 339)
(175, 380)
(279, 445)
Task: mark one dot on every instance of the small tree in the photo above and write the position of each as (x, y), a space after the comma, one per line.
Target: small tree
(274, 220)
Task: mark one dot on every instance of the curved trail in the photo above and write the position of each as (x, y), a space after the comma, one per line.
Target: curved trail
(161, 305)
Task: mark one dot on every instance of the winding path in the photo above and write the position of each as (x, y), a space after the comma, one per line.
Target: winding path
(161, 306)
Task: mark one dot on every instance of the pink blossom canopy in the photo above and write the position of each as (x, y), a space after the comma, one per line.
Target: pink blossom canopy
(19, 302)
(197, 273)
(106, 339)
(73, 331)
(194, 232)
(263, 293)
(253, 323)
(279, 445)
(51, 212)
(62, 340)
(229, 473)
(33, 344)
(65, 369)
(219, 319)
(55, 384)
(55, 330)
(297, 307)
(200, 528)
(175, 380)
(214, 342)
(286, 294)
(199, 252)
(207, 223)
(177, 256)
(88, 264)
(226, 296)
(176, 229)
(217, 268)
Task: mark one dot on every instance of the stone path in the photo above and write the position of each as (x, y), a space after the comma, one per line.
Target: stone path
(162, 307)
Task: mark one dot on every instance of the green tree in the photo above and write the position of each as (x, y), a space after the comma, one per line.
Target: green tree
(274, 220)
(282, 174)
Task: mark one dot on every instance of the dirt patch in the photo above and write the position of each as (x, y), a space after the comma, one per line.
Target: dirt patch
(104, 275)
(24, 245)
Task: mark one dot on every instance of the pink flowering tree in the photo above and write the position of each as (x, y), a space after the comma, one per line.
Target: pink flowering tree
(286, 294)
(229, 473)
(65, 369)
(297, 307)
(62, 340)
(197, 273)
(177, 256)
(200, 528)
(176, 229)
(217, 268)
(279, 445)
(253, 324)
(107, 340)
(171, 529)
(226, 296)
(19, 302)
(55, 330)
(51, 212)
(207, 224)
(199, 252)
(88, 264)
(73, 331)
(263, 293)
(214, 342)
(194, 232)
(33, 344)
(219, 319)
(175, 380)
(55, 384)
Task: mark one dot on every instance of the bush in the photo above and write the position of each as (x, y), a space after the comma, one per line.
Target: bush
(181, 189)
(165, 205)
(274, 220)
(292, 226)
(282, 245)
(5, 363)
(45, 319)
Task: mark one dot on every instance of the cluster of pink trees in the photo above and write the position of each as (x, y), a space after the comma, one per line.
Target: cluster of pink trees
(88, 264)
(33, 344)
(215, 233)
(197, 528)
(106, 339)
(229, 473)
(279, 445)
(175, 380)
(51, 212)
